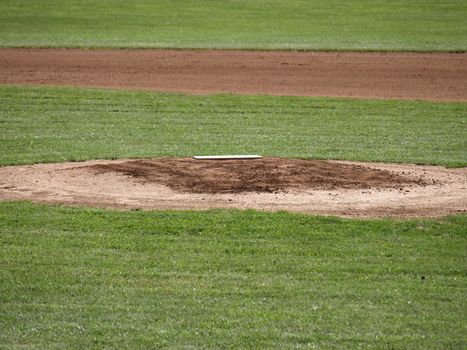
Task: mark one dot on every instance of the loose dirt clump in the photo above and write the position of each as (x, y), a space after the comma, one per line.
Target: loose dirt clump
(261, 175)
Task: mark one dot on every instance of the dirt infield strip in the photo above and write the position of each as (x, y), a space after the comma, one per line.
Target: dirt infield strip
(317, 187)
(439, 77)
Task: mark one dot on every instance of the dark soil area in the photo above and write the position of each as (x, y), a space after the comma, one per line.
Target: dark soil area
(261, 175)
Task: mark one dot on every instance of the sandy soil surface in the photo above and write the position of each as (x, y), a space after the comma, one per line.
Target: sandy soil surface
(441, 76)
(317, 187)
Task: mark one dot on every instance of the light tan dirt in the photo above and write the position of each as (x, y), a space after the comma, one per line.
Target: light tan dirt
(425, 76)
(379, 190)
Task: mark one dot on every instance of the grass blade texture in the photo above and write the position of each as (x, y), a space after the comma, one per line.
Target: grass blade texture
(416, 25)
(59, 124)
(89, 278)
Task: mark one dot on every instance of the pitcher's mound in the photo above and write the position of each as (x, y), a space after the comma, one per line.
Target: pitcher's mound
(318, 187)
(259, 175)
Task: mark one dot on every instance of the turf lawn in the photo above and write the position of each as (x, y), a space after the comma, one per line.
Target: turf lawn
(89, 278)
(416, 25)
(60, 124)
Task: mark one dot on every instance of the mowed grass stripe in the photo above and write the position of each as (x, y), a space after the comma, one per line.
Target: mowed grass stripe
(89, 278)
(62, 124)
(416, 25)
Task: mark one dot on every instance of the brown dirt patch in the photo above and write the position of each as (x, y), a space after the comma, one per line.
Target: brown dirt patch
(441, 76)
(330, 188)
(261, 175)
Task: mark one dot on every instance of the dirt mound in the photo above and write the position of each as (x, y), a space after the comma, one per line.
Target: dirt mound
(316, 187)
(260, 175)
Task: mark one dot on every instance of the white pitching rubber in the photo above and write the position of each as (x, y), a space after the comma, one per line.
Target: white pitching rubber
(249, 156)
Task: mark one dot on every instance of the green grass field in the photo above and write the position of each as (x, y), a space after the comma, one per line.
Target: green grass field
(60, 124)
(100, 279)
(88, 278)
(416, 25)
